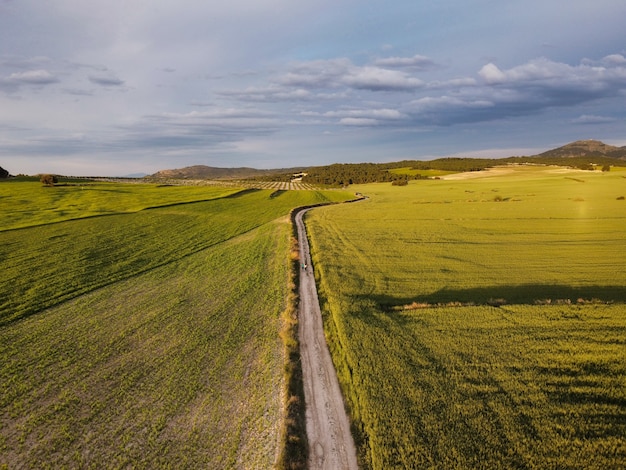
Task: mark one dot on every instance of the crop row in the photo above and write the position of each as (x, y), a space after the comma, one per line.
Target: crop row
(281, 185)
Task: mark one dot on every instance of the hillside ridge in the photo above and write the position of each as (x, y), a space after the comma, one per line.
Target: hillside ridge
(574, 151)
(211, 172)
(582, 148)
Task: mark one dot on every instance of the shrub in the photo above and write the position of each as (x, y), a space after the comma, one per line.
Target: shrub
(48, 180)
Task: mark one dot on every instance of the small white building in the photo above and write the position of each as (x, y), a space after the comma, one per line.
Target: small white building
(297, 177)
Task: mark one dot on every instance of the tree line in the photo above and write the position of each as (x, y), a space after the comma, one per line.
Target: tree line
(345, 174)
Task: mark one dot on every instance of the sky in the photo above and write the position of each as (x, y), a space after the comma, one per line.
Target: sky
(118, 87)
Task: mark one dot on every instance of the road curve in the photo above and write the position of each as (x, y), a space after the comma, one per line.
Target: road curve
(328, 429)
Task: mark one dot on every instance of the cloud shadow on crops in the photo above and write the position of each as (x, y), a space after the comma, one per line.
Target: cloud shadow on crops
(529, 294)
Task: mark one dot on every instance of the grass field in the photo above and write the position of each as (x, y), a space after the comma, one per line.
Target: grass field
(144, 338)
(27, 203)
(481, 322)
(423, 173)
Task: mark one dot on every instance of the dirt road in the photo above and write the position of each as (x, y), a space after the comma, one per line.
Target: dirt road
(330, 443)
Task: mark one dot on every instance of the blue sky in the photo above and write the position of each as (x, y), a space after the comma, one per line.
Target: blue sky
(116, 87)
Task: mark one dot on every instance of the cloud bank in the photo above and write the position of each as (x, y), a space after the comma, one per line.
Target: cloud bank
(273, 83)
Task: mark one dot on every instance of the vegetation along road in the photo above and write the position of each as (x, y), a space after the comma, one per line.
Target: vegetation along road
(330, 443)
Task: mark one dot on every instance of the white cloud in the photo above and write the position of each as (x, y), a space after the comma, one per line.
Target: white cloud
(491, 74)
(557, 75)
(34, 77)
(105, 79)
(361, 122)
(417, 61)
(269, 94)
(526, 89)
(592, 119)
(386, 114)
(318, 73)
(453, 83)
(197, 129)
(342, 72)
(379, 79)
(614, 59)
(15, 80)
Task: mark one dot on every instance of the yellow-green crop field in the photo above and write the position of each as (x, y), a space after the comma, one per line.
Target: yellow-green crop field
(143, 332)
(480, 321)
(424, 173)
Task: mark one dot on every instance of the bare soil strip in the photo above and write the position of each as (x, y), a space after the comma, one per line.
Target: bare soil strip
(328, 429)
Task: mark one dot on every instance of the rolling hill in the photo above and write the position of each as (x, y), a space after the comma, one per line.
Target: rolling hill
(209, 172)
(573, 150)
(576, 154)
(583, 148)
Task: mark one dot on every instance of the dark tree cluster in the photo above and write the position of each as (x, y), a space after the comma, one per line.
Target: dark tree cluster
(359, 173)
(3, 173)
(344, 174)
(449, 164)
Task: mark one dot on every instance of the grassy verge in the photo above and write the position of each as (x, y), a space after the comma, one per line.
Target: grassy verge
(534, 382)
(294, 445)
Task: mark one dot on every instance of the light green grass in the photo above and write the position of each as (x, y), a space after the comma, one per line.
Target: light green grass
(423, 173)
(520, 386)
(147, 339)
(28, 203)
(180, 367)
(48, 264)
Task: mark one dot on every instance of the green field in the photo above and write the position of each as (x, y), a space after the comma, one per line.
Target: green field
(423, 173)
(26, 203)
(481, 322)
(143, 338)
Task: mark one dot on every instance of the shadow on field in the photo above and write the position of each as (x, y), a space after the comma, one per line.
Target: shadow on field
(199, 201)
(534, 294)
(241, 193)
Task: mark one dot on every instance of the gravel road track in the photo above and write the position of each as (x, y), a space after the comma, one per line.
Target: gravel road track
(328, 429)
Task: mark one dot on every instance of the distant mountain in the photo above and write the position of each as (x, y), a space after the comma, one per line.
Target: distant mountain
(214, 173)
(585, 148)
